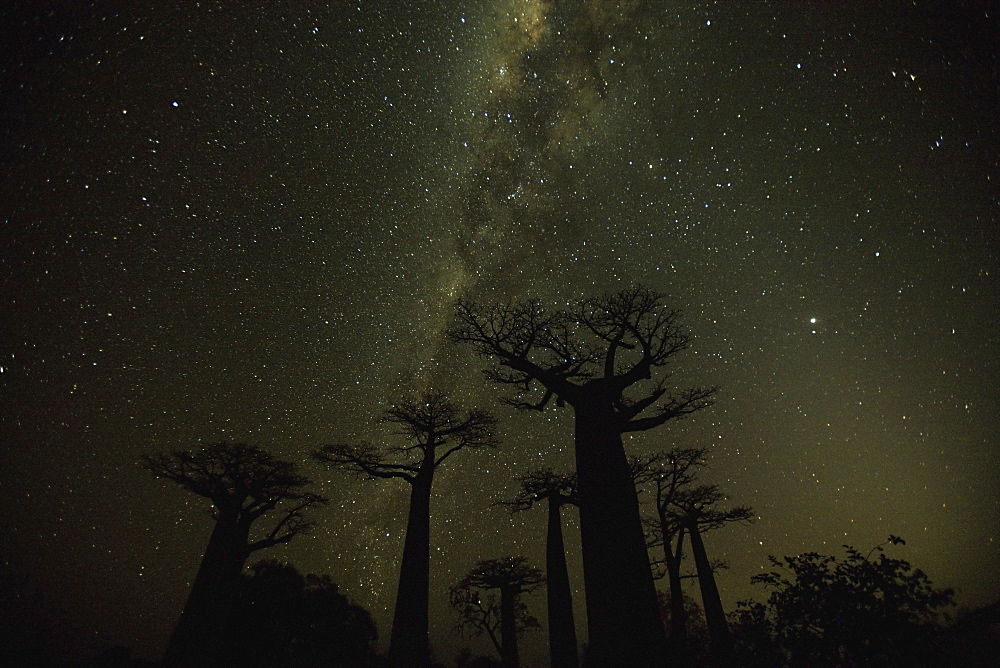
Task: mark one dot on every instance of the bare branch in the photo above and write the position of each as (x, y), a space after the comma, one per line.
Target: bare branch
(509, 574)
(476, 614)
(618, 339)
(679, 500)
(521, 337)
(291, 524)
(364, 460)
(435, 428)
(229, 473)
(543, 484)
(691, 400)
(244, 483)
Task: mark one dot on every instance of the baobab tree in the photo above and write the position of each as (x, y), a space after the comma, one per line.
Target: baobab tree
(595, 358)
(433, 428)
(479, 613)
(511, 576)
(701, 517)
(671, 473)
(244, 483)
(556, 490)
(686, 508)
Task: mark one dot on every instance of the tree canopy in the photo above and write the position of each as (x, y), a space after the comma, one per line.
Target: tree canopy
(478, 613)
(243, 482)
(433, 428)
(620, 338)
(858, 608)
(284, 618)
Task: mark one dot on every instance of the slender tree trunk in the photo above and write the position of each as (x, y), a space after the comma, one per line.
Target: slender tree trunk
(200, 638)
(562, 630)
(408, 644)
(622, 609)
(509, 657)
(678, 616)
(718, 629)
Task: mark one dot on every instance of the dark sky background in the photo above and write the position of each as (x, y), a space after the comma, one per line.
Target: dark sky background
(249, 221)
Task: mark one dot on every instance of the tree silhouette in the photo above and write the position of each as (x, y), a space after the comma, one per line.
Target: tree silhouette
(823, 610)
(480, 612)
(684, 507)
(244, 483)
(511, 576)
(284, 619)
(589, 357)
(720, 640)
(434, 428)
(557, 490)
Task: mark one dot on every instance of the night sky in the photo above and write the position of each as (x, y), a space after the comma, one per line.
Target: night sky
(223, 221)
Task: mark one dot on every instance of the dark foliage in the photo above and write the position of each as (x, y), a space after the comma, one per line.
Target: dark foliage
(856, 610)
(283, 619)
(696, 629)
(973, 641)
(466, 659)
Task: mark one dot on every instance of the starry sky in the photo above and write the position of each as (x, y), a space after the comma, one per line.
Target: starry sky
(249, 222)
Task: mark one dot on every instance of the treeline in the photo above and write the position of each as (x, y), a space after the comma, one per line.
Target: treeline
(606, 360)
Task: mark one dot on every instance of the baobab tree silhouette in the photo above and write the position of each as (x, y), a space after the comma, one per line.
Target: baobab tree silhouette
(434, 428)
(590, 357)
(555, 490)
(511, 576)
(244, 483)
(684, 507)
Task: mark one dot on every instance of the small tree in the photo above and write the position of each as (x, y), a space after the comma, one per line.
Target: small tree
(511, 576)
(824, 610)
(556, 490)
(595, 357)
(244, 483)
(434, 428)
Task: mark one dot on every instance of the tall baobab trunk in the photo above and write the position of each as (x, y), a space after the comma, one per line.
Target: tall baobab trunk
(509, 656)
(718, 629)
(562, 630)
(200, 637)
(622, 609)
(408, 645)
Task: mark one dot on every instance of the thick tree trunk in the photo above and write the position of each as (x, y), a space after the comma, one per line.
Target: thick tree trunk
(200, 638)
(562, 630)
(622, 609)
(678, 616)
(718, 629)
(509, 657)
(408, 644)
